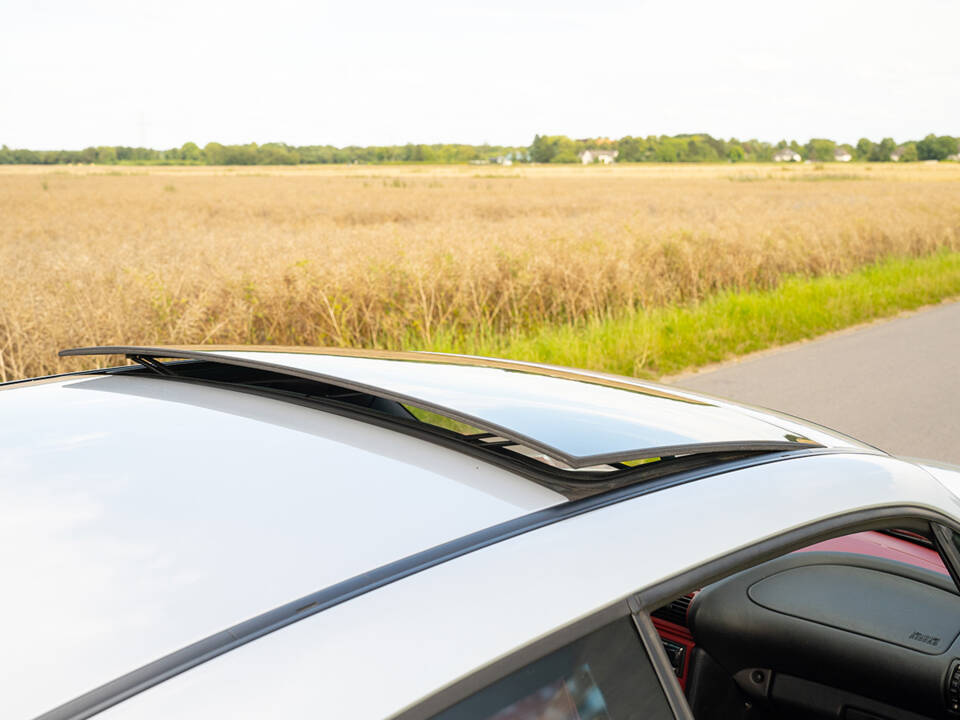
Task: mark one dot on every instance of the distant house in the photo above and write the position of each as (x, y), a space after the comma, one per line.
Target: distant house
(841, 155)
(786, 155)
(602, 156)
(510, 158)
(897, 154)
(955, 157)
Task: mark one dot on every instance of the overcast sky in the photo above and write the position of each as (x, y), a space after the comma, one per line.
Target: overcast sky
(75, 73)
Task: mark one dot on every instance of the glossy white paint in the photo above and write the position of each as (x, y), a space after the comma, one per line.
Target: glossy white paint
(946, 473)
(385, 650)
(138, 516)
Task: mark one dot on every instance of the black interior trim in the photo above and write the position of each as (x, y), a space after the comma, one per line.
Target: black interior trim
(830, 702)
(862, 626)
(947, 549)
(653, 644)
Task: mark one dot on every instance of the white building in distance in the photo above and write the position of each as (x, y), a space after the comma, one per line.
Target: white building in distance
(602, 156)
(786, 155)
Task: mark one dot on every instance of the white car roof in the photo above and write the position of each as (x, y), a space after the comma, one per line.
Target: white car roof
(142, 512)
(138, 516)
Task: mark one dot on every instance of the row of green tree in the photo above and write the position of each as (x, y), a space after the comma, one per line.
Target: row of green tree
(544, 149)
(704, 148)
(266, 154)
(280, 154)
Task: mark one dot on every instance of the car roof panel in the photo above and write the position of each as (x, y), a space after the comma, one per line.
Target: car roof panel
(138, 516)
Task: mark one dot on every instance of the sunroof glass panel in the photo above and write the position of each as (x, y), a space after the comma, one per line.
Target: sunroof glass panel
(579, 419)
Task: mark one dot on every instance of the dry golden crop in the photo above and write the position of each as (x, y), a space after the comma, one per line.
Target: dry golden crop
(395, 256)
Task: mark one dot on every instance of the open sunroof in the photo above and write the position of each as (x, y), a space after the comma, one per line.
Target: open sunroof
(577, 421)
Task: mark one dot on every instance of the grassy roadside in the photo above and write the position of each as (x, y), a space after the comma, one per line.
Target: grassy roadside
(668, 340)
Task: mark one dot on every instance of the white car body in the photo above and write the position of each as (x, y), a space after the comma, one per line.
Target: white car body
(139, 516)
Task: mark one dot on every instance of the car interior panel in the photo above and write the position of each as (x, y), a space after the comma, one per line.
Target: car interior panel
(865, 626)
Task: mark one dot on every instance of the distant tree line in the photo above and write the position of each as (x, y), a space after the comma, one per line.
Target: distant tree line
(704, 148)
(266, 154)
(544, 149)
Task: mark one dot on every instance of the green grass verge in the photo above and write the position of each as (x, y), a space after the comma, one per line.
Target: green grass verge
(663, 341)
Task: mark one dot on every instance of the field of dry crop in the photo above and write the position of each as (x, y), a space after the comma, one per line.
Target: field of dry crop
(403, 256)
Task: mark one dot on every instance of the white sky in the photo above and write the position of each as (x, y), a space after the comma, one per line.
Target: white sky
(75, 73)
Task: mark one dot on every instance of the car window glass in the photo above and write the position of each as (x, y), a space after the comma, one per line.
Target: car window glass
(605, 675)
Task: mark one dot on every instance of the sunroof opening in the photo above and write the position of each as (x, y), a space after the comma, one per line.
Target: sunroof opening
(641, 461)
(542, 434)
(428, 417)
(260, 379)
(585, 420)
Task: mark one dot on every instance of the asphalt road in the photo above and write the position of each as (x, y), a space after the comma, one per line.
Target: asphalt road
(895, 384)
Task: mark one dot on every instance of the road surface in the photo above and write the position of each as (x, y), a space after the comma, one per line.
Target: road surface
(895, 384)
